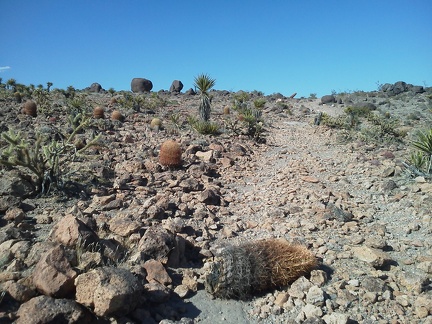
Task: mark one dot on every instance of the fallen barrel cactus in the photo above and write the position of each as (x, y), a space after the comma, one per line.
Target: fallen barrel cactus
(257, 266)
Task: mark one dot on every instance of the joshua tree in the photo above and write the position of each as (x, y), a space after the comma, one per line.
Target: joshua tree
(49, 85)
(204, 83)
(11, 83)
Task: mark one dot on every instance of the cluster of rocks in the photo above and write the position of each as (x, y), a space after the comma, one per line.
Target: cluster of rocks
(136, 250)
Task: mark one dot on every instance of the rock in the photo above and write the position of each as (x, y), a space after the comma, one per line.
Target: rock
(89, 260)
(53, 275)
(365, 105)
(336, 318)
(205, 156)
(15, 215)
(318, 277)
(18, 291)
(333, 212)
(373, 284)
(310, 179)
(14, 185)
(182, 291)
(108, 291)
(299, 288)
(311, 311)
(156, 292)
(281, 299)
(176, 86)
(210, 197)
(95, 87)
(124, 224)
(190, 92)
(70, 231)
(374, 257)
(8, 201)
(315, 296)
(423, 306)
(414, 281)
(141, 85)
(156, 271)
(157, 244)
(44, 309)
(328, 99)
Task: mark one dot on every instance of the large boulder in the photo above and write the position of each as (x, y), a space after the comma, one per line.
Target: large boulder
(44, 309)
(109, 291)
(53, 275)
(176, 86)
(71, 231)
(95, 87)
(328, 99)
(141, 85)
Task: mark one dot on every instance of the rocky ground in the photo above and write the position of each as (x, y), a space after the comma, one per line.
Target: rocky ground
(132, 242)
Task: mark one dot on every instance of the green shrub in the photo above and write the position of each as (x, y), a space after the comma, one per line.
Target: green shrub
(204, 127)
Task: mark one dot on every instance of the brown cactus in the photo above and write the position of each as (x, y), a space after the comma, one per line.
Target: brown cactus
(117, 115)
(30, 108)
(156, 123)
(98, 112)
(170, 154)
(226, 110)
(257, 266)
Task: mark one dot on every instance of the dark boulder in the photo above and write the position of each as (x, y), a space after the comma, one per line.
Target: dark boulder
(190, 92)
(328, 99)
(141, 85)
(417, 89)
(95, 87)
(176, 86)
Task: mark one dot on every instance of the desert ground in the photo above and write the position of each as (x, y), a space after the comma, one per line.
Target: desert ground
(96, 226)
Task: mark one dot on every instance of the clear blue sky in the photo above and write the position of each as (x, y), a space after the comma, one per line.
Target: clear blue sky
(281, 46)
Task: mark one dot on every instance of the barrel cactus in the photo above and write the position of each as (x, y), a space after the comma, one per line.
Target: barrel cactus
(30, 108)
(257, 266)
(170, 154)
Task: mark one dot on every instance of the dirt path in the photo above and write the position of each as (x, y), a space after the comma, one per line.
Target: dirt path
(286, 191)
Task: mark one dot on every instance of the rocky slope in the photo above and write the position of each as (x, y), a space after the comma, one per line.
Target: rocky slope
(132, 240)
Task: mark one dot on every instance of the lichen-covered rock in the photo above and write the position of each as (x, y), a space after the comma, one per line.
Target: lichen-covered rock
(108, 291)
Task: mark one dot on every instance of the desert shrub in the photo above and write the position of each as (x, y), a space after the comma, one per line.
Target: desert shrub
(204, 127)
(259, 103)
(249, 122)
(421, 159)
(47, 159)
(241, 97)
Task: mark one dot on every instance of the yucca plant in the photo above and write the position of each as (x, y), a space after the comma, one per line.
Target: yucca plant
(424, 144)
(203, 82)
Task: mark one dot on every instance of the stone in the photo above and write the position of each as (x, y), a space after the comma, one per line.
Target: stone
(336, 318)
(157, 243)
(45, 309)
(315, 296)
(318, 277)
(139, 85)
(156, 271)
(210, 197)
(299, 288)
(156, 292)
(423, 306)
(53, 275)
(373, 257)
(328, 99)
(333, 212)
(15, 215)
(14, 185)
(414, 281)
(190, 92)
(311, 311)
(373, 284)
(281, 299)
(310, 179)
(18, 291)
(89, 260)
(205, 156)
(176, 86)
(108, 291)
(124, 224)
(71, 231)
(182, 291)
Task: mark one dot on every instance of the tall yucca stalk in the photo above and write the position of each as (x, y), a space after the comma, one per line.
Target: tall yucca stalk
(204, 83)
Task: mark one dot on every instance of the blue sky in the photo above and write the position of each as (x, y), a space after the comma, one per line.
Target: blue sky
(281, 46)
